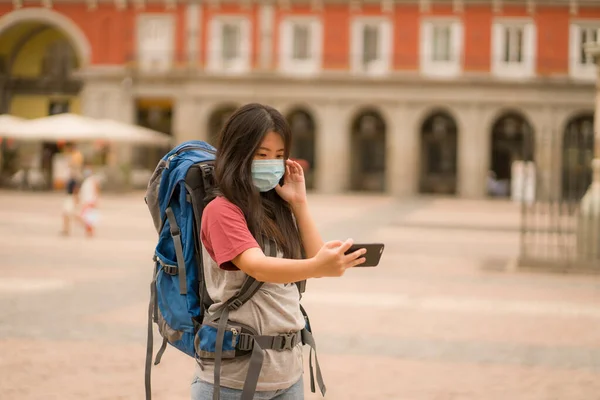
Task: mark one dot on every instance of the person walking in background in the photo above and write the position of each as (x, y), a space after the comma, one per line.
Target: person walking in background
(88, 198)
(72, 186)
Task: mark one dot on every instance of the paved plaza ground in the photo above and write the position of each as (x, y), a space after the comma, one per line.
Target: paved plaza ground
(444, 317)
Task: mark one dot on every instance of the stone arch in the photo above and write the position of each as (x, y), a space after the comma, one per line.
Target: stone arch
(568, 116)
(288, 108)
(216, 120)
(512, 139)
(368, 143)
(438, 133)
(425, 112)
(78, 39)
(303, 127)
(577, 154)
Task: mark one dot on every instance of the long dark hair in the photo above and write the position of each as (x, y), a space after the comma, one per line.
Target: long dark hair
(268, 216)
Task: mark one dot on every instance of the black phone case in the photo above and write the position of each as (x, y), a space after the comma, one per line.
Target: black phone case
(373, 256)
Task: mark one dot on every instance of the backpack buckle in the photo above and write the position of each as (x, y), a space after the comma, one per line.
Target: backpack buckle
(234, 305)
(170, 269)
(245, 342)
(288, 341)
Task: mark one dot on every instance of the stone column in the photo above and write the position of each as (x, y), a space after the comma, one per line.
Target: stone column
(333, 150)
(185, 120)
(193, 18)
(266, 27)
(473, 153)
(118, 105)
(403, 150)
(93, 101)
(202, 108)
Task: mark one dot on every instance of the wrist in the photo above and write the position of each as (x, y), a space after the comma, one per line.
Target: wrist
(299, 206)
(313, 267)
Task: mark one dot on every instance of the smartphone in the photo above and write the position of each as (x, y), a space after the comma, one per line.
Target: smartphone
(373, 254)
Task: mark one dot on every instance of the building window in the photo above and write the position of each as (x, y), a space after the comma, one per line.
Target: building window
(301, 45)
(442, 43)
(581, 64)
(371, 45)
(229, 49)
(371, 51)
(513, 49)
(441, 47)
(155, 42)
(301, 42)
(232, 41)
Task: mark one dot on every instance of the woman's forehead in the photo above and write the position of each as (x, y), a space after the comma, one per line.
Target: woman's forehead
(273, 141)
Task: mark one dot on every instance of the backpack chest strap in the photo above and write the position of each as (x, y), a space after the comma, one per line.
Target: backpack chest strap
(277, 342)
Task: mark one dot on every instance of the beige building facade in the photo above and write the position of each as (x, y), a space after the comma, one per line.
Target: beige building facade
(373, 124)
(404, 104)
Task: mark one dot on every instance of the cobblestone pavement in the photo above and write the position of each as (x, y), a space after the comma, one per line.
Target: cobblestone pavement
(443, 317)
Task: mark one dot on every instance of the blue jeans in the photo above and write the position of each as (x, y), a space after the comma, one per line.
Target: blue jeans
(204, 391)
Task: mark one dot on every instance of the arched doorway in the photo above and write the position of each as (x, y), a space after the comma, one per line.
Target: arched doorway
(302, 125)
(217, 121)
(368, 156)
(37, 59)
(578, 152)
(512, 140)
(439, 141)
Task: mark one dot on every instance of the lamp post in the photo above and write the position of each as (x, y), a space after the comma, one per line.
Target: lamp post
(593, 49)
(588, 227)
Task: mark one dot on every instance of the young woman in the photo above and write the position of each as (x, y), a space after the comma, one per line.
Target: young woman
(252, 209)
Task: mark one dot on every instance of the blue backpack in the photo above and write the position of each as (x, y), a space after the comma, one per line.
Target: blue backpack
(178, 191)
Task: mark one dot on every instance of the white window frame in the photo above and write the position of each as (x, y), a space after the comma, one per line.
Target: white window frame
(215, 48)
(287, 63)
(380, 66)
(524, 69)
(155, 57)
(576, 69)
(432, 67)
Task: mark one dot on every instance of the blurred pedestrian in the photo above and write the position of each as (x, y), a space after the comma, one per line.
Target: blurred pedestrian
(72, 185)
(89, 195)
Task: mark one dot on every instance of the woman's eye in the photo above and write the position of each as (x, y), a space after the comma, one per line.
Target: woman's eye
(261, 155)
(279, 157)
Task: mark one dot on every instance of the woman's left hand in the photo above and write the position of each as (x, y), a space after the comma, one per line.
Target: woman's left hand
(294, 187)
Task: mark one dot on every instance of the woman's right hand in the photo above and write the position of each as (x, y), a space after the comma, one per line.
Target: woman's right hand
(331, 260)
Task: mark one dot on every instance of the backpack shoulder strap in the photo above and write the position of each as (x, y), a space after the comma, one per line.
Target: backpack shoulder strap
(176, 235)
(309, 340)
(198, 183)
(301, 287)
(248, 289)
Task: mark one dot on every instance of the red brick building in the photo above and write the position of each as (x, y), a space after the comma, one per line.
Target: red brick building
(400, 96)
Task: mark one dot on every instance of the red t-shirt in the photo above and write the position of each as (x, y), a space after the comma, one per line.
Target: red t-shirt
(225, 233)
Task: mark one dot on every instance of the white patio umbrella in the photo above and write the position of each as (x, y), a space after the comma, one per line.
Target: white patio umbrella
(9, 122)
(57, 127)
(72, 127)
(117, 131)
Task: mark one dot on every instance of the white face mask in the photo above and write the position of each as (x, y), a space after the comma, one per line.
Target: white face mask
(266, 174)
